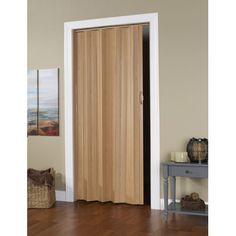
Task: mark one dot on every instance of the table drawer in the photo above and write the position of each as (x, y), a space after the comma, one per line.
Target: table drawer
(188, 171)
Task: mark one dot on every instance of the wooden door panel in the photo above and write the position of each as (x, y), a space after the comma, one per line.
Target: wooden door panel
(108, 114)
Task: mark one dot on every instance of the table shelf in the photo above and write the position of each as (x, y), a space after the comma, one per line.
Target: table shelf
(176, 208)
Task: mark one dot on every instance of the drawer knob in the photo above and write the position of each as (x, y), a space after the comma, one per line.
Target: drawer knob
(187, 172)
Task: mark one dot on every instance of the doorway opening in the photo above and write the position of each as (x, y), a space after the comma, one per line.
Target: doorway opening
(154, 147)
(146, 116)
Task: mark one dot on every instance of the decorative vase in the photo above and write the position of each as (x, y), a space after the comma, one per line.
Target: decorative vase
(197, 149)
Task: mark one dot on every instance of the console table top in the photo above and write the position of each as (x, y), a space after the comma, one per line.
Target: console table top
(172, 163)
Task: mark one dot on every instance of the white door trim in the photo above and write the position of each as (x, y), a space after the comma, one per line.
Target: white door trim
(152, 19)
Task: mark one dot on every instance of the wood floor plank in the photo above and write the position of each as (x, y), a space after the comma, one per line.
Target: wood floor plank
(105, 219)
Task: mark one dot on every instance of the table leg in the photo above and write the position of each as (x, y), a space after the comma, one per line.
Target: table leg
(166, 198)
(174, 189)
(165, 175)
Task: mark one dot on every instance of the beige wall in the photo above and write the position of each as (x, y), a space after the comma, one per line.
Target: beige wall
(183, 70)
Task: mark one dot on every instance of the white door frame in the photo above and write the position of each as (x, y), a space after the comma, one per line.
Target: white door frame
(69, 27)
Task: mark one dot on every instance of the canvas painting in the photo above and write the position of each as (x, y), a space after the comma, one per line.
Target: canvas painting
(32, 101)
(48, 113)
(43, 102)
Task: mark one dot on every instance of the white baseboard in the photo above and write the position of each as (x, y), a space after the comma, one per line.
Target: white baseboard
(169, 201)
(60, 195)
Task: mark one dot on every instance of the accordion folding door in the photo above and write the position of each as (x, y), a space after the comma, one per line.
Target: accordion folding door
(108, 114)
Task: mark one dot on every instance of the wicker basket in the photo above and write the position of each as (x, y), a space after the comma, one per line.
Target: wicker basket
(41, 196)
(196, 205)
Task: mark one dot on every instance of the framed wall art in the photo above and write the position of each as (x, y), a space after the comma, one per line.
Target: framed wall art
(32, 102)
(43, 102)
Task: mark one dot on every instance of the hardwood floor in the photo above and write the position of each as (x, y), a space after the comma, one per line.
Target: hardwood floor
(105, 219)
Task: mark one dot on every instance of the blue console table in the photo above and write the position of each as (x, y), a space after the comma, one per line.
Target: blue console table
(173, 169)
